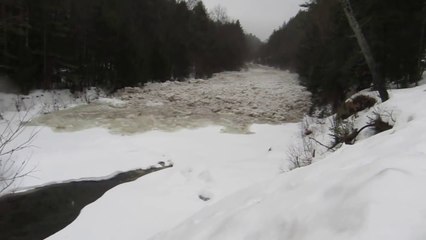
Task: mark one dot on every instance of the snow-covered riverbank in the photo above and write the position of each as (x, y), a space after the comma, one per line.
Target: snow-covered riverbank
(233, 100)
(208, 163)
(235, 186)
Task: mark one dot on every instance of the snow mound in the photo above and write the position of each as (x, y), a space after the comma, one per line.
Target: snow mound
(371, 190)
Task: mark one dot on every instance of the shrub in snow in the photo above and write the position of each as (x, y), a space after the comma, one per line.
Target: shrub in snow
(381, 121)
(357, 104)
(89, 95)
(319, 137)
(302, 153)
(342, 131)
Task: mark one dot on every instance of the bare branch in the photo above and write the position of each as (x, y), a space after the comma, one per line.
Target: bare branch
(10, 169)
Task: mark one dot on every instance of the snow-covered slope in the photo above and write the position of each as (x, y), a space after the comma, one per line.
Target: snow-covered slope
(374, 189)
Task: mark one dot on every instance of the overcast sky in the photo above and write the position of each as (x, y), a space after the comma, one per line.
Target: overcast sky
(259, 17)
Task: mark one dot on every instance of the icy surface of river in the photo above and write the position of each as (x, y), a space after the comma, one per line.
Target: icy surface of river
(234, 100)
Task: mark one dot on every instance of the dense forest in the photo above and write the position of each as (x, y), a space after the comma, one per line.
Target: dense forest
(319, 44)
(113, 43)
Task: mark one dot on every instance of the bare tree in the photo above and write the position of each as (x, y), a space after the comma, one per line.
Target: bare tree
(192, 3)
(219, 14)
(378, 80)
(10, 168)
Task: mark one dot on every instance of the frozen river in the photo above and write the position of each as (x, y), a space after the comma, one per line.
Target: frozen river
(234, 100)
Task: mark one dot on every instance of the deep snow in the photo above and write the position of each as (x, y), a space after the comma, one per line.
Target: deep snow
(208, 164)
(370, 190)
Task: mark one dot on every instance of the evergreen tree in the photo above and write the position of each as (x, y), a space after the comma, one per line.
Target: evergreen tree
(113, 43)
(319, 44)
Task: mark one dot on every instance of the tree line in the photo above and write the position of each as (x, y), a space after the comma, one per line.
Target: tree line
(320, 45)
(113, 43)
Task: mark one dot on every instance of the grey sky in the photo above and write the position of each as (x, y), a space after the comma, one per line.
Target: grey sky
(259, 17)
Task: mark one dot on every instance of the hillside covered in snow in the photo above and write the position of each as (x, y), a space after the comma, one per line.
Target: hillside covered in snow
(371, 190)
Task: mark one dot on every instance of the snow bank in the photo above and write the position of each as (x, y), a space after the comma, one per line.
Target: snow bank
(37, 101)
(91, 154)
(48, 101)
(371, 190)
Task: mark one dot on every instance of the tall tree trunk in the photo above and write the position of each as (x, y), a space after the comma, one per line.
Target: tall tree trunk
(45, 77)
(4, 25)
(378, 80)
(27, 27)
(420, 68)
